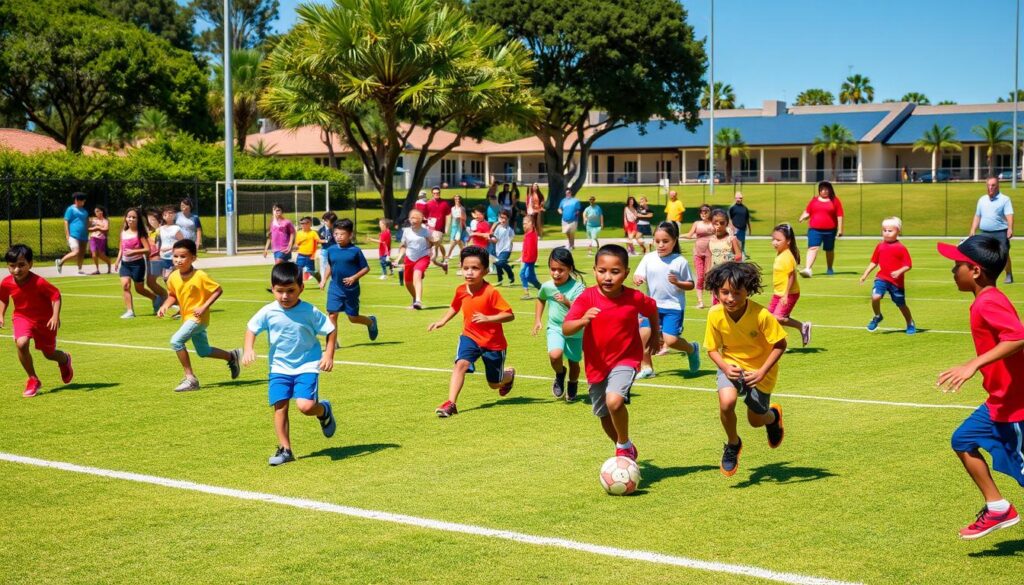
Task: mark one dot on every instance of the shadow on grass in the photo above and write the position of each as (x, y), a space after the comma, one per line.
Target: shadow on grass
(349, 451)
(372, 343)
(84, 386)
(235, 384)
(1007, 548)
(806, 350)
(901, 331)
(679, 372)
(652, 474)
(783, 473)
(514, 401)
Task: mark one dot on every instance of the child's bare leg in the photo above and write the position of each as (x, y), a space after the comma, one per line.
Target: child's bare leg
(417, 283)
(359, 320)
(790, 322)
(679, 343)
(506, 377)
(310, 407)
(978, 469)
(218, 354)
(457, 380)
(700, 296)
(154, 285)
(906, 314)
(812, 253)
(876, 304)
(56, 356)
(126, 293)
(411, 287)
(646, 363)
(574, 371)
(609, 427)
(760, 420)
(140, 288)
(186, 363)
(281, 424)
(619, 416)
(555, 356)
(727, 413)
(25, 356)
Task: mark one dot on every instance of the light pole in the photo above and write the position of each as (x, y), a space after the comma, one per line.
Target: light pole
(711, 107)
(1016, 70)
(229, 143)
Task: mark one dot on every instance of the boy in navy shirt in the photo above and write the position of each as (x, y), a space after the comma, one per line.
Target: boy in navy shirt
(346, 264)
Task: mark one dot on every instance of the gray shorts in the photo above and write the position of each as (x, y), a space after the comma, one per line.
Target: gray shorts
(619, 381)
(755, 400)
(997, 234)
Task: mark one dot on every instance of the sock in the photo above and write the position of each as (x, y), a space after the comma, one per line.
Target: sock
(560, 375)
(999, 506)
(625, 445)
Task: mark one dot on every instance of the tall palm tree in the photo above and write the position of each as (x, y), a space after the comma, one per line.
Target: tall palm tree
(815, 97)
(725, 97)
(247, 85)
(995, 135)
(916, 97)
(834, 139)
(729, 142)
(857, 89)
(153, 123)
(936, 140)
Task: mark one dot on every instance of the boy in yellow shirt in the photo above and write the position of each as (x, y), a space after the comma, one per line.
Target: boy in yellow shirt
(306, 244)
(195, 293)
(745, 341)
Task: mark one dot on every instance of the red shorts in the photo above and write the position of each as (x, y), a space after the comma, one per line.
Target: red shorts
(781, 311)
(46, 340)
(630, 227)
(421, 265)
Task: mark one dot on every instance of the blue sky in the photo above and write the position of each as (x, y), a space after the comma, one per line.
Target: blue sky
(946, 49)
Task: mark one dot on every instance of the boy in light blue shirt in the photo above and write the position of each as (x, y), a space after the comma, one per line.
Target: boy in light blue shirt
(296, 360)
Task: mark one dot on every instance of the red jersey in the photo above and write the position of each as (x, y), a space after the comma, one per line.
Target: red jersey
(613, 337)
(481, 235)
(993, 319)
(384, 244)
(421, 206)
(530, 247)
(486, 300)
(435, 212)
(891, 256)
(824, 215)
(33, 299)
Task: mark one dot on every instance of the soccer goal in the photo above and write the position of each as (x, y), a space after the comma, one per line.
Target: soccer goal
(254, 200)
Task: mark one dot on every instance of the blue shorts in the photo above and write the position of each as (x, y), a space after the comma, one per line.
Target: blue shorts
(342, 301)
(571, 347)
(167, 265)
(194, 331)
(133, 269)
(1003, 441)
(305, 263)
(288, 386)
(283, 256)
(826, 239)
(155, 267)
(494, 359)
(671, 321)
(897, 294)
(741, 235)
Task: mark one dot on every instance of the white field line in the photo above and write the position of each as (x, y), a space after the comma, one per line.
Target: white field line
(448, 371)
(431, 524)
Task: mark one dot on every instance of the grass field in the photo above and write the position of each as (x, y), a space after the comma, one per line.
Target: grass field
(864, 489)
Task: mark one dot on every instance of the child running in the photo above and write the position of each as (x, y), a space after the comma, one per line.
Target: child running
(99, 228)
(997, 425)
(483, 313)
(281, 238)
(785, 288)
(384, 248)
(502, 235)
(292, 326)
(131, 261)
(306, 243)
(528, 257)
(608, 314)
(565, 286)
(346, 264)
(195, 293)
(593, 218)
(723, 246)
(154, 267)
(416, 251)
(36, 316)
(892, 259)
(168, 234)
(667, 276)
(746, 342)
(325, 233)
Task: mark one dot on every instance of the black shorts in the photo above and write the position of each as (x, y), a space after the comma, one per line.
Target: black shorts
(644, 229)
(997, 234)
(133, 269)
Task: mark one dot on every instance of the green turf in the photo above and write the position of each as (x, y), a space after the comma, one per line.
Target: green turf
(858, 492)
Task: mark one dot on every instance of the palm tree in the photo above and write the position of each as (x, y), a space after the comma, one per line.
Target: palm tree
(108, 136)
(834, 139)
(815, 97)
(916, 97)
(725, 97)
(935, 140)
(946, 103)
(153, 123)
(261, 149)
(1009, 97)
(247, 85)
(729, 142)
(995, 135)
(856, 89)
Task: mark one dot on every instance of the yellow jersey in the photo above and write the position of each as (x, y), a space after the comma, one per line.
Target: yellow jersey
(191, 292)
(784, 265)
(674, 210)
(306, 243)
(745, 342)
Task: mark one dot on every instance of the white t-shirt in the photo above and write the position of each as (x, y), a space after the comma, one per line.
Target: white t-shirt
(504, 235)
(416, 243)
(655, 270)
(169, 234)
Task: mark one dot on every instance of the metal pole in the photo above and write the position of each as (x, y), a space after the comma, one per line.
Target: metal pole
(10, 219)
(1016, 69)
(711, 106)
(229, 142)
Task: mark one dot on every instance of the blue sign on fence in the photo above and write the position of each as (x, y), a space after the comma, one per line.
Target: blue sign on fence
(229, 200)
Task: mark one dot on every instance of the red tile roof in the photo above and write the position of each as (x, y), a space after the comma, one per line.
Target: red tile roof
(27, 142)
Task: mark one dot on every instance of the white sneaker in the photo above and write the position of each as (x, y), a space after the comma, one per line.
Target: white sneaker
(128, 315)
(382, 277)
(806, 273)
(644, 374)
(187, 384)
(59, 266)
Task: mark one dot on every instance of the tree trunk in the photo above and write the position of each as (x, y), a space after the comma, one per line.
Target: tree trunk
(991, 167)
(728, 166)
(835, 172)
(935, 174)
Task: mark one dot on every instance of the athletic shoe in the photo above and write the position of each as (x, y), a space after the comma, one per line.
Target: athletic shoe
(446, 410)
(417, 305)
(830, 272)
(506, 388)
(372, 329)
(806, 273)
(187, 384)
(444, 267)
(128, 315)
(60, 268)
(32, 387)
(911, 329)
(874, 322)
(1009, 279)
(694, 358)
(235, 362)
(382, 277)
(645, 374)
(776, 430)
(327, 422)
(805, 333)
(526, 297)
(281, 456)
(629, 453)
(570, 391)
(731, 458)
(66, 371)
(558, 386)
(988, 522)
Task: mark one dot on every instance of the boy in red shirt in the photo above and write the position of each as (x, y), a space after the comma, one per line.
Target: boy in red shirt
(608, 314)
(36, 316)
(483, 312)
(384, 248)
(997, 426)
(480, 230)
(892, 259)
(528, 258)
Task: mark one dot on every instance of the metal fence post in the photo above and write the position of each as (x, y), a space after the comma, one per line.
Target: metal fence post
(39, 212)
(861, 211)
(945, 232)
(10, 216)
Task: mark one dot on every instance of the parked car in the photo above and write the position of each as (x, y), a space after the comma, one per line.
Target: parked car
(472, 182)
(847, 176)
(626, 178)
(941, 176)
(703, 177)
(1008, 176)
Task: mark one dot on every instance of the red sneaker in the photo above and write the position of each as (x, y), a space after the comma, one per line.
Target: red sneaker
(989, 522)
(66, 371)
(631, 453)
(447, 409)
(32, 387)
(506, 388)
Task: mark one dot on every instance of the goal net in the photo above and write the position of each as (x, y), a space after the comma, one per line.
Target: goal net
(254, 201)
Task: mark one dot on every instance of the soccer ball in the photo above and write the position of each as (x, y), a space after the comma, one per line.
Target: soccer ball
(620, 476)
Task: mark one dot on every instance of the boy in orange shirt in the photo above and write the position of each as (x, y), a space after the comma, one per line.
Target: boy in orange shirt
(483, 312)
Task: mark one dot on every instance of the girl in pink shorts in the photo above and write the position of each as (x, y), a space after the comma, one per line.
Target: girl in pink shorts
(785, 288)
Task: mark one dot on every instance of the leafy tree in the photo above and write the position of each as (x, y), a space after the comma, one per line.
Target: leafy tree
(69, 70)
(250, 21)
(379, 69)
(725, 97)
(506, 133)
(729, 142)
(261, 148)
(857, 89)
(946, 103)
(247, 85)
(834, 139)
(995, 136)
(601, 65)
(165, 18)
(936, 140)
(1009, 97)
(916, 97)
(153, 123)
(109, 136)
(815, 97)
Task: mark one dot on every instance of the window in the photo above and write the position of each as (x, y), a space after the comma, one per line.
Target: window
(749, 168)
(1002, 162)
(702, 165)
(951, 161)
(449, 171)
(663, 168)
(595, 164)
(630, 170)
(476, 168)
(790, 167)
(849, 163)
(610, 170)
(542, 168)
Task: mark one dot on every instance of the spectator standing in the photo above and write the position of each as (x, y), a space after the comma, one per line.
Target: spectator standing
(994, 217)
(739, 221)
